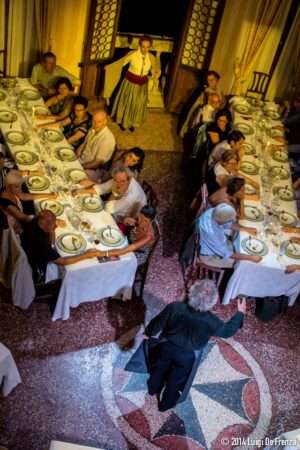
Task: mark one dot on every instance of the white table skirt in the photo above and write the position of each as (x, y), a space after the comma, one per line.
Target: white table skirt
(9, 373)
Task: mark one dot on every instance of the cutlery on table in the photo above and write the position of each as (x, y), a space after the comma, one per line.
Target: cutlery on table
(74, 241)
(109, 228)
(293, 245)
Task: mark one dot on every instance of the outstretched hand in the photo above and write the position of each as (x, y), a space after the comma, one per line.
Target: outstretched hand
(241, 306)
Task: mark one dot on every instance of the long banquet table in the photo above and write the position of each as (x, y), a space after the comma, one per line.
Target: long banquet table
(87, 280)
(266, 278)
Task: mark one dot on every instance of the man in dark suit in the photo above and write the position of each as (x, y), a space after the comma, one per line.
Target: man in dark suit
(185, 327)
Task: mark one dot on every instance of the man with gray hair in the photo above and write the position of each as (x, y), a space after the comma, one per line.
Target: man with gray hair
(185, 328)
(215, 247)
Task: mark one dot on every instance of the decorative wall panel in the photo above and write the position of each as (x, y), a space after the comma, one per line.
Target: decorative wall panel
(103, 29)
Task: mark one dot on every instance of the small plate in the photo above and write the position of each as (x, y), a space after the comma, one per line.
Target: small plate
(250, 189)
(280, 155)
(2, 96)
(291, 249)
(254, 246)
(284, 193)
(65, 154)
(111, 237)
(253, 213)
(31, 94)
(76, 175)
(91, 203)
(249, 149)
(53, 206)
(274, 133)
(242, 109)
(249, 168)
(7, 116)
(25, 157)
(53, 135)
(71, 243)
(244, 128)
(16, 137)
(287, 219)
(273, 114)
(280, 172)
(37, 182)
(255, 102)
(41, 110)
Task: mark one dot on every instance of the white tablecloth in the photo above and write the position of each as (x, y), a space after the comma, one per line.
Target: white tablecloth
(266, 278)
(9, 374)
(87, 280)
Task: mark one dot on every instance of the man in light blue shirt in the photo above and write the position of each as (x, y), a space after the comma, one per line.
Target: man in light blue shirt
(215, 226)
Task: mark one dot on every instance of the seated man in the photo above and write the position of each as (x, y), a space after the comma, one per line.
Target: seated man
(234, 142)
(45, 75)
(38, 242)
(215, 247)
(126, 198)
(98, 145)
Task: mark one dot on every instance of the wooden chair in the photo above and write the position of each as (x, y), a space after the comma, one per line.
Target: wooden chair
(142, 269)
(152, 199)
(259, 86)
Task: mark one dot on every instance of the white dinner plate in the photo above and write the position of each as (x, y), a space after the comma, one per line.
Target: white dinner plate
(53, 206)
(280, 172)
(41, 110)
(291, 249)
(284, 193)
(37, 182)
(25, 157)
(273, 114)
(244, 128)
(254, 246)
(32, 94)
(242, 109)
(280, 155)
(90, 203)
(65, 154)
(253, 213)
(111, 237)
(274, 133)
(250, 189)
(249, 167)
(249, 149)
(53, 135)
(76, 175)
(255, 102)
(287, 219)
(16, 137)
(7, 116)
(71, 243)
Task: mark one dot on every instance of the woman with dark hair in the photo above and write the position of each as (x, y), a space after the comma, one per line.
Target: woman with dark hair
(211, 87)
(129, 108)
(227, 168)
(233, 194)
(141, 238)
(219, 129)
(132, 159)
(61, 104)
(76, 125)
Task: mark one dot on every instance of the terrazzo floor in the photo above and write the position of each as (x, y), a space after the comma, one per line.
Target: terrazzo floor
(74, 388)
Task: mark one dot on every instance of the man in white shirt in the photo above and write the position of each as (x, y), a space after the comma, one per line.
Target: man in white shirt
(98, 145)
(234, 142)
(46, 73)
(126, 195)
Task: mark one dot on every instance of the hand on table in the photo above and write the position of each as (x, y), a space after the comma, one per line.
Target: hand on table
(255, 258)
(250, 230)
(50, 196)
(290, 230)
(87, 183)
(61, 223)
(292, 268)
(241, 305)
(44, 117)
(79, 192)
(254, 197)
(280, 139)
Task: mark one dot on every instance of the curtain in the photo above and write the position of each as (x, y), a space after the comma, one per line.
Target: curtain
(264, 15)
(296, 80)
(43, 22)
(21, 43)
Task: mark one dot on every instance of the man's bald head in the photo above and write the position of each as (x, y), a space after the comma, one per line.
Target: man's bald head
(46, 220)
(99, 121)
(214, 100)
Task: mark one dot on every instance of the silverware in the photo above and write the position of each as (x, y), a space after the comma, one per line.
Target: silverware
(74, 240)
(292, 243)
(109, 228)
(91, 198)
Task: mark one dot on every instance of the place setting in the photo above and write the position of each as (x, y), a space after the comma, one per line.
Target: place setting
(284, 193)
(244, 128)
(16, 137)
(287, 219)
(90, 203)
(275, 133)
(279, 172)
(31, 94)
(111, 237)
(280, 155)
(250, 189)
(271, 114)
(242, 109)
(52, 135)
(7, 116)
(249, 168)
(37, 183)
(25, 157)
(254, 246)
(291, 249)
(52, 205)
(76, 175)
(71, 243)
(41, 110)
(65, 154)
(253, 213)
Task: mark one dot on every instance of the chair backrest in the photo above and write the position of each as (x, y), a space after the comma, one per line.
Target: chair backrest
(108, 164)
(259, 85)
(151, 197)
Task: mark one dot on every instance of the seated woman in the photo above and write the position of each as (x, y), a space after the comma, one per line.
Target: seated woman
(61, 104)
(76, 125)
(141, 238)
(12, 198)
(133, 159)
(219, 174)
(233, 194)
